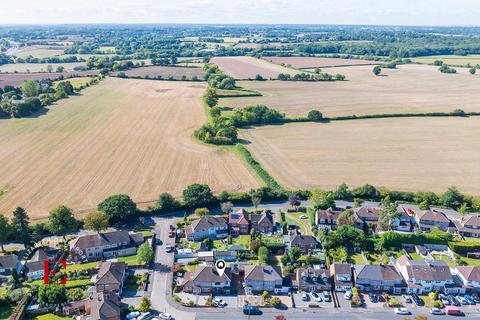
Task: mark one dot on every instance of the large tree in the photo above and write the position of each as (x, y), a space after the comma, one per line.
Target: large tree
(145, 253)
(118, 207)
(4, 230)
(322, 200)
(20, 222)
(262, 255)
(61, 221)
(167, 202)
(197, 195)
(96, 221)
(30, 88)
(52, 294)
(452, 198)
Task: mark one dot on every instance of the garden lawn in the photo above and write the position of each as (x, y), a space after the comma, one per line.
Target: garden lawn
(243, 240)
(471, 261)
(70, 283)
(50, 316)
(220, 245)
(131, 260)
(303, 224)
(445, 258)
(358, 259)
(416, 256)
(82, 266)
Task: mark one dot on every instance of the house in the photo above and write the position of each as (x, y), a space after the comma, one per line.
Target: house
(103, 306)
(310, 279)
(238, 222)
(262, 222)
(259, 278)
(469, 277)
(8, 263)
(206, 279)
(306, 243)
(104, 245)
(367, 217)
(424, 276)
(342, 276)
(378, 278)
(327, 219)
(428, 219)
(110, 277)
(469, 226)
(209, 227)
(34, 268)
(406, 221)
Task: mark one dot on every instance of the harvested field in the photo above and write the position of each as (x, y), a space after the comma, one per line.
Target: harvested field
(38, 51)
(120, 136)
(408, 154)
(410, 88)
(454, 60)
(248, 67)
(310, 62)
(16, 79)
(165, 72)
(38, 67)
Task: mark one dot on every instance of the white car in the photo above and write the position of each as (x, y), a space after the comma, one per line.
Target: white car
(437, 311)
(406, 298)
(133, 315)
(144, 316)
(219, 302)
(348, 295)
(462, 300)
(165, 316)
(402, 311)
(168, 248)
(315, 297)
(303, 216)
(304, 297)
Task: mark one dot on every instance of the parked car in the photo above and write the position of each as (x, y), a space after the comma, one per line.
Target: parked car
(315, 297)
(168, 248)
(373, 298)
(303, 216)
(251, 310)
(453, 311)
(380, 298)
(326, 296)
(469, 299)
(348, 295)
(145, 316)
(165, 316)
(305, 297)
(454, 301)
(133, 315)
(402, 311)
(437, 311)
(475, 298)
(419, 302)
(406, 298)
(219, 302)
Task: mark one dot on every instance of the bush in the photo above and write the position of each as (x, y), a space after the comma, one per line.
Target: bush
(314, 115)
(197, 195)
(464, 247)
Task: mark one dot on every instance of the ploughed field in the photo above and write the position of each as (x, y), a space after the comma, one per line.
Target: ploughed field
(407, 89)
(166, 72)
(312, 62)
(409, 154)
(120, 136)
(249, 67)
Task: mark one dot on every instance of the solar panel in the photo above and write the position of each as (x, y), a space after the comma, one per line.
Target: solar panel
(235, 216)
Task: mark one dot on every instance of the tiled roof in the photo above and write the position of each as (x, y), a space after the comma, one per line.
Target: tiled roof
(341, 268)
(208, 274)
(238, 217)
(432, 215)
(8, 261)
(303, 240)
(367, 212)
(377, 272)
(111, 272)
(101, 239)
(263, 273)
(469, 273)
(105, 306)
(327, 214)
(433, 270)
(260, 218)
(209, 222)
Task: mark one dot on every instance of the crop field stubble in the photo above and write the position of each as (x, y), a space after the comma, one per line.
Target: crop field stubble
(120, 136)
(407, 89)
(16, 79)
(248, 67)
(312, 62)
(410, 154)
(166, 72)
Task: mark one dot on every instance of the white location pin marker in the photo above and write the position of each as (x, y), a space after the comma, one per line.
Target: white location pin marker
(220, 265)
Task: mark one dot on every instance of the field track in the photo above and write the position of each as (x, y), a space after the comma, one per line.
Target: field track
(410, 154)
(121, 136)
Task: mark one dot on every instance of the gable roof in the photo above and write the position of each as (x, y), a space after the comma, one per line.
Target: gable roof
(209, 274)
(367, 212)
(473, 220)
(239, 217)
(101, 239)
(303, 240)
(432, 215)
(262, 218)
(111, 272)
(469, 273)
(377, 272)
(431, 270)
(8, 261)
(105, 306)
(208, 222)
(341, 268)
(309, 276)
(328, 214)
(263, 273)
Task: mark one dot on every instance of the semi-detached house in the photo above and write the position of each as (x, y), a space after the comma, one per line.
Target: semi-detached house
(469, 277)
(378, 278)
(259, 278)
(210, 227)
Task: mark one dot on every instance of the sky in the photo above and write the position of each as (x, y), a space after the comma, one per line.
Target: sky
(376, 12)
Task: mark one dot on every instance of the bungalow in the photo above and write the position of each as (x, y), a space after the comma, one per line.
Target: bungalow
(110, 277)
(206, 279)
(310, 279)
(428, 219)
(238, 222)
(469, 277)
(424, 276)
(469, 226)
(8, 263)
(342, 276)
(104, 245)
(259, 278)
(367, 217)
(306, 243)
(327, 219)
(210, 227)
(262, 222)
(378, 278)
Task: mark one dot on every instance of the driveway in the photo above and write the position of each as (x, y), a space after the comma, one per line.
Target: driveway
(300, 304)
(232, 301)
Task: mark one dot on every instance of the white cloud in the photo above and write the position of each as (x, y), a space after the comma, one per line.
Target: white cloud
(403, 12)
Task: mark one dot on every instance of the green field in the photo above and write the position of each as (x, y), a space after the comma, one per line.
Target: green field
(77, 82)
(453, 60)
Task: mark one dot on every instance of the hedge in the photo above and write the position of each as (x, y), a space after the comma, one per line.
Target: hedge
(464, 247)
(395, 240)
